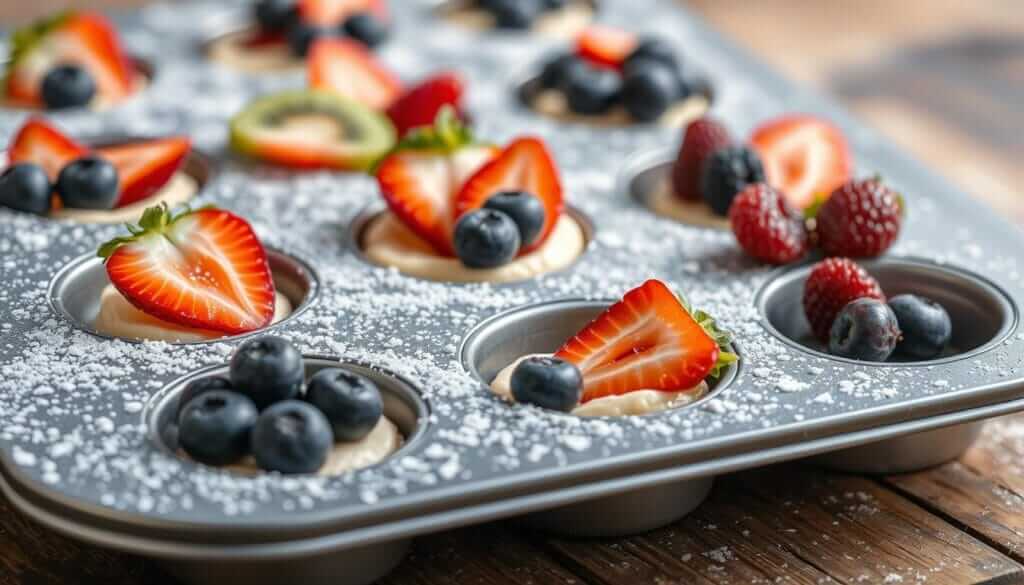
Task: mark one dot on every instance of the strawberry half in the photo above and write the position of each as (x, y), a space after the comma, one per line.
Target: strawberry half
(145, 167)
(646, 341)
(420, 105)
(348, 68)
(606, 46)
(85, 38)
(334, 12)
(40, 143)
(204, 269)
(421, 178)
(805, 157)
(524, 165)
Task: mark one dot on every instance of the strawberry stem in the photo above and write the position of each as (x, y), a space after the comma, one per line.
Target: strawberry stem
(155, 220)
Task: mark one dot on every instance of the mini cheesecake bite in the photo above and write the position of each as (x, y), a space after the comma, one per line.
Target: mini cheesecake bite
(70, 60)
(51, 174)
(281, 32)
(462, 211)
(187, 277)
(614, 78)
(555, 18)
(646, 353)
(269, 415)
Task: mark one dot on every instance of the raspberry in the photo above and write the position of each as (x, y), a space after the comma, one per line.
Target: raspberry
(702, 137)
(861, 219)
(766, 227)
(726, 172)
(832, 284)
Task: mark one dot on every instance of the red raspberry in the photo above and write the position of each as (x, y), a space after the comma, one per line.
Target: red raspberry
(861, 219)
(702, 137)
(832, 284)
(766, 227)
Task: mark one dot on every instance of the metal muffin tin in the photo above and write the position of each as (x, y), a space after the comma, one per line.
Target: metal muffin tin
(76, 450)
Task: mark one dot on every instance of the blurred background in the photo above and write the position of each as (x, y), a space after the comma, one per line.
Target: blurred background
(942, 78)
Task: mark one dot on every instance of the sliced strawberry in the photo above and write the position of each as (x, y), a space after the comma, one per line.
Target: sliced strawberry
(805, 157)
(40, 143)
(145, 167)
(348, 68)
(87, 39)
(204, 269)
(524, 165)
(606, 46)
(420, 105)
(333, 12)
(646, 341)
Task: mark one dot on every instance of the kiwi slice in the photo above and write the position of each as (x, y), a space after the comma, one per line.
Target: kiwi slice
(312, 129)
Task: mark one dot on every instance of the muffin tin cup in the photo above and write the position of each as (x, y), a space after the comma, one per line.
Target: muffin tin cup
(982, 315)
(351, 566)
(543, 328)
(453, 11)
(146, 69)
(372, 212)
(646, 178)
(74, 292)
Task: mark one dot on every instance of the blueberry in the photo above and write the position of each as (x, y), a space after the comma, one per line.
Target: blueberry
(654, 49)
(67, 86)
(726, 172)
(649, 88)
(25, 187)
(554, 4)
(515, 14)
(366, 28)
(291, 437)
(301, 36)
(548, 382)
(267, 369)
(276, 16)
(351, 403)
(89, 182)
(485, 238)
(201, 386)
(214, 428)
(865, 329)
(925, 325)
(525, 209)
(593, 90)
(557, 72)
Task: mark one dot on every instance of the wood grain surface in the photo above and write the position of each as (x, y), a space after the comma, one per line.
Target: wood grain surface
(945, 80)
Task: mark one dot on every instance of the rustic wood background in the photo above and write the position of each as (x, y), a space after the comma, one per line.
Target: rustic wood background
(945, 80)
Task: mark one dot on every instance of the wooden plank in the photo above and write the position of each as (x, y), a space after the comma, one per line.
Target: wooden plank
(481, 555)
(984, 491)
(796, 525)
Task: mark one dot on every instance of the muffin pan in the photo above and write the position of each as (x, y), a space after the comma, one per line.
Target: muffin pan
(76, 449)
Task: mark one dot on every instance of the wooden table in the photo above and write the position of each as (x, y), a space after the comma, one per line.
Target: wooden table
(942, 78)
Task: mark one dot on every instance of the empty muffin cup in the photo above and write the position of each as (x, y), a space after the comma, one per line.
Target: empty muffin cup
(77, 293)
(378, 238)
(981, 313)
(564, 23)
(647, 178)
(543, 328)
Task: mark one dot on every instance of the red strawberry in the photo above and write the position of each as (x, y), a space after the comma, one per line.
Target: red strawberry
(861, 219)
(702, 137)
(348, 68)
(204, 269)
(648, 340)
(421, 178)
(524, 165)
(86, 38)
(420, 105)
(40, 143)
(832, 284)
(766, 227)
(145, 167)
(606, 46)
(805, 157)
(333, 12)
